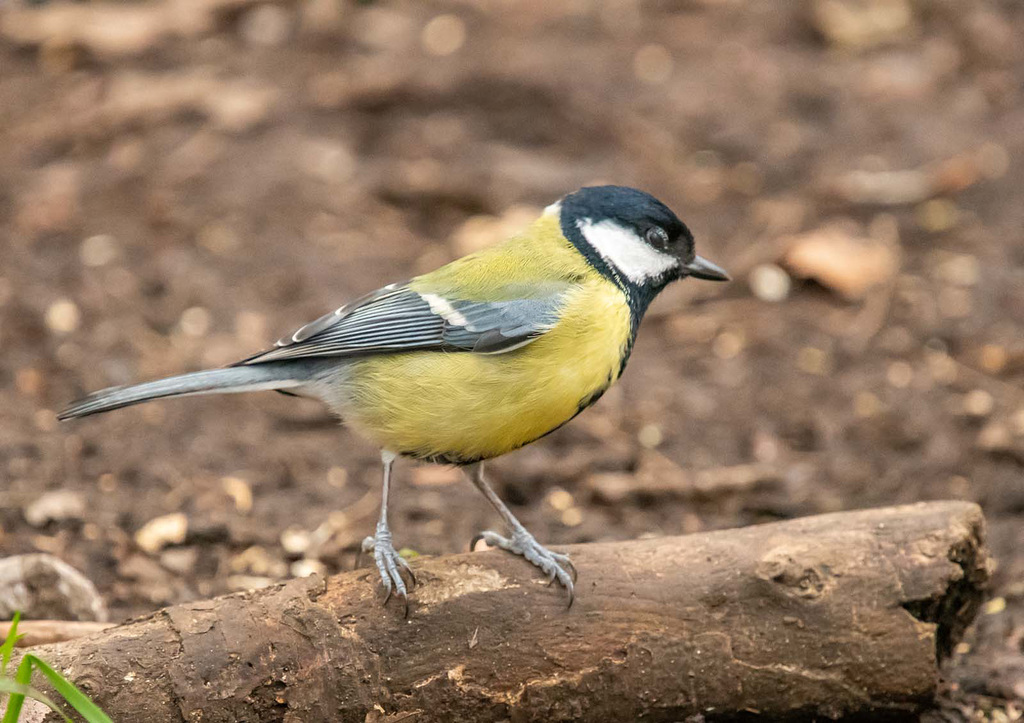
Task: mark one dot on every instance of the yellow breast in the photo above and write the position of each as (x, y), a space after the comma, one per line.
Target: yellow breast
(463, 407)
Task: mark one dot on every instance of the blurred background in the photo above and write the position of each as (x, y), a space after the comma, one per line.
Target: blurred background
(184, 181)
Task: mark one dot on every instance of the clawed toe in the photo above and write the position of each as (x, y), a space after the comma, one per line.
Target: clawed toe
(390, 566)
(552, 564)
(565, 560)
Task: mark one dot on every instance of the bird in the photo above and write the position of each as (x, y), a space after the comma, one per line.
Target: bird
(477, 358)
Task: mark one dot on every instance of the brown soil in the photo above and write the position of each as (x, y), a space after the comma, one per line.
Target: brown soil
(253, 166)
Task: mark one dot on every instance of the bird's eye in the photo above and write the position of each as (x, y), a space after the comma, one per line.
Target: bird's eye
(657, 237)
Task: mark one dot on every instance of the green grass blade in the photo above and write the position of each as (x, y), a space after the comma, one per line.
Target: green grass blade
(26, 691)
(22, 676)
(75, 698)
(7, 649)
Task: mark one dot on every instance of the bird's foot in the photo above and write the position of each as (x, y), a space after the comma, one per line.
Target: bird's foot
(390, 564)
(552, 564)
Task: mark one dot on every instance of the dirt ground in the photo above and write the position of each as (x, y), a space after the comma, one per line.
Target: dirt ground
(180, 190)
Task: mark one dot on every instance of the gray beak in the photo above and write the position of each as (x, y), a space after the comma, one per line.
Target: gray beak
(701, 268)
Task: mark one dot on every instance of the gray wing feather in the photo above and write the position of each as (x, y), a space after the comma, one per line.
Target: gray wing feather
(496, 326)
(396, 318)
(380, 297)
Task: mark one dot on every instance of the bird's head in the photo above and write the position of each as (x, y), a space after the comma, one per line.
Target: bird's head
(632, 238)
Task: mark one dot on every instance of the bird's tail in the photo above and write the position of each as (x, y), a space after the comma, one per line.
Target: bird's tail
(214, 381)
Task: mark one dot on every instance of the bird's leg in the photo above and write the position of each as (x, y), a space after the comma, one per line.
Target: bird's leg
(521, 542)
(389, 562)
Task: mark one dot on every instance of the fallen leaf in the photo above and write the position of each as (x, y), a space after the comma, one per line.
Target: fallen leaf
(847, 264)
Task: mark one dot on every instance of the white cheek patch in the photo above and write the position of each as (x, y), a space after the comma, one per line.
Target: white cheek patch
(629, 254)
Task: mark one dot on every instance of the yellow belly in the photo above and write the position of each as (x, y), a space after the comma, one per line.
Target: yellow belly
(464, 407)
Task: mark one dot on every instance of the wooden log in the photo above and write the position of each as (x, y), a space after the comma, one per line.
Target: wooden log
(840, 614)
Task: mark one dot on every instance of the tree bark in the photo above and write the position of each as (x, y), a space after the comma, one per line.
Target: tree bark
(840, 614)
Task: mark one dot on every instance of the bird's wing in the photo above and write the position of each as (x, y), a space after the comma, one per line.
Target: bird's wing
(396, 318)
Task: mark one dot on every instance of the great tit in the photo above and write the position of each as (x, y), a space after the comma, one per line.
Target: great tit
(478, 358)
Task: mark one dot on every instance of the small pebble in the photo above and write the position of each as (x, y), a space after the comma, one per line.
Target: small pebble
(611, 487)
(572, 517)
(652, 64)
(942, 367)
(955, 174)
(994, 606)
(866, 404)
(52, 202)
(765, 447)
(195, 322)
(239, 491)
(161, 532)
(328, 161)
(63, 316)
(56, 506)
(443, 35)
(256, 560)
(45, 420)
(959, 486)
(306, 567)
(98, 250)
(180, 560)
(1017, 420)
(885, 188)
(560, 499)
(728, 345)
(862, 24)
(812, 360)
(337, 477)
(959, 270)
(245, 583)
(978, 403)
(219, 237)
(937, 215)
(126, 155)
(322, 16)
(380, 27)
(650, 436)
(266, 25)
(241, 109)
(295, 541)
(28, 381)
(994, 358)
(995, 437)
(770, 282)
(900, 374)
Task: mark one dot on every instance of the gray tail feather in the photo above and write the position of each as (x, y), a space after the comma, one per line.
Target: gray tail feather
(213, 381)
